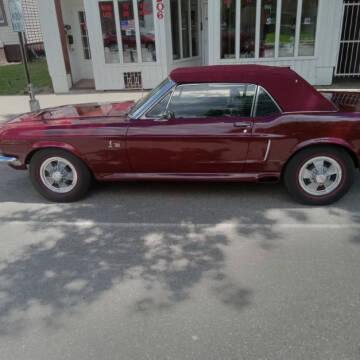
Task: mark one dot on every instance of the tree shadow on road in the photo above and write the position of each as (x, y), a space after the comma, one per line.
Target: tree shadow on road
(170, 237)
(79, 251)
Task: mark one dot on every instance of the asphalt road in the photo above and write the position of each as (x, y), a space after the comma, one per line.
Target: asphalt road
(177, 271)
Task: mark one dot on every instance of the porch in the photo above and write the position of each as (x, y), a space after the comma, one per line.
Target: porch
(120, 44)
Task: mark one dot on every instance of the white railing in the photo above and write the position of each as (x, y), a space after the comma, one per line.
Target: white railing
(348, 63)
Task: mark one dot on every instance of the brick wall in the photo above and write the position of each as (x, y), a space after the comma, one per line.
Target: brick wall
(32, 22)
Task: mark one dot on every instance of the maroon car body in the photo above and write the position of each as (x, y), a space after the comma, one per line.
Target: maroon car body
(115, 146)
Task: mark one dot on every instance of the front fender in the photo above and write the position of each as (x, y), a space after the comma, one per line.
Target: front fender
(55, 145)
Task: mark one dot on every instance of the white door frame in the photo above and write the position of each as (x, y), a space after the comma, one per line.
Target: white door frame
(204, 37)
(86, 71)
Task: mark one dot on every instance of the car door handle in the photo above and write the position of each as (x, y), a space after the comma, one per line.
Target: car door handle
(245, 124)
(160, 120)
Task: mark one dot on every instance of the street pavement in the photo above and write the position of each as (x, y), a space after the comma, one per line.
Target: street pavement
(177, 271)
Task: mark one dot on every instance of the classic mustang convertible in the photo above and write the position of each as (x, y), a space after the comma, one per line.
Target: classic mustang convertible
(214, 123)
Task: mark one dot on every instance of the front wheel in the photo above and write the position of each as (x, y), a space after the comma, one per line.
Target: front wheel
(319, 175)
(59, 176)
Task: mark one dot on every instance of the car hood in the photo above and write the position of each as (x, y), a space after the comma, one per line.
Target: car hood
(69, 114)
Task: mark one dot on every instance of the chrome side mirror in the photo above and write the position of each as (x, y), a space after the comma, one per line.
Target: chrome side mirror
(169, 115)
(166, 116)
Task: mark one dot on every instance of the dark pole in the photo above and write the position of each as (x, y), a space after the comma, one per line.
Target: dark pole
(17, 20)
(34, 104)
(24, 57)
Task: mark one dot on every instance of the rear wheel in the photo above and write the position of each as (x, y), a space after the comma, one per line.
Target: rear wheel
(319, 175)
(59, 176)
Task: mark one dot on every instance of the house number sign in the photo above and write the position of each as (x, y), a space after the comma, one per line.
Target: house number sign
(160, 7)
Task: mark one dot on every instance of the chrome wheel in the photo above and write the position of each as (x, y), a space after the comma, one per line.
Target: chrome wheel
(58, 175)
(320, 176)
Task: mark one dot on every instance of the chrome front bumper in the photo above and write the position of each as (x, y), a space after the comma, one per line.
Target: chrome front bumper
(7, 159)
(13, 162)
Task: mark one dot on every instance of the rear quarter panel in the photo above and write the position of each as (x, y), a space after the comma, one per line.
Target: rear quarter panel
(291, 132)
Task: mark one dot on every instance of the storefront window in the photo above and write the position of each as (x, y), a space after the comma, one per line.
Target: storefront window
(247, 28)
(227, 35)
(308, 28)
(108, 27)
(194, 27)
(248, 22)
(185, 28)
(175, 29)
(185, 23)
(287, 28)
(267, 28)
(147, 30)
(128, 31)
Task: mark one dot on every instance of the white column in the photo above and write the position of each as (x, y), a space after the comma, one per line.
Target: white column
(257, 29)
(52, 42)
(298, 27)
(214, 41)
(237, 30)
(164, 32)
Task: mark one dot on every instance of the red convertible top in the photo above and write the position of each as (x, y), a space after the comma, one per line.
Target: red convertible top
(289, 89)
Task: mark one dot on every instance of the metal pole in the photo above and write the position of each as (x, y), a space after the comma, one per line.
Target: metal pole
(24, 57)
(34, 104)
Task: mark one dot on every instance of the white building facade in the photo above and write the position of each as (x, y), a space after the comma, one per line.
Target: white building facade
(122, 44)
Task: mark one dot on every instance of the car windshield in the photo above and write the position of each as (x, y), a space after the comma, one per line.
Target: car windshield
(163, 86)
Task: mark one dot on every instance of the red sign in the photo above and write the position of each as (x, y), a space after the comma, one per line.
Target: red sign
(106, 11)
(160, 7)
(143, 6)
(107, 14)
(106, 7)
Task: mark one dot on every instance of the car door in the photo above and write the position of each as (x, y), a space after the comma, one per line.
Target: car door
(266, 142)
(207, 130)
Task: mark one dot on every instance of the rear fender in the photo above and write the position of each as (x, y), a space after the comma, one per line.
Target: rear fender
(327, 141)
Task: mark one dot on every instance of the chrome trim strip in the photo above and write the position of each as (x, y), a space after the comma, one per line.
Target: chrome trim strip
(255, 102)
(309, 112)
(216, 84)
(144, 115)
(172, 94)
(267, 151)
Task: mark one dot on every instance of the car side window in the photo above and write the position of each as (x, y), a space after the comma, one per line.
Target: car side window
(212, 100)
(160, 108)
(265, 105)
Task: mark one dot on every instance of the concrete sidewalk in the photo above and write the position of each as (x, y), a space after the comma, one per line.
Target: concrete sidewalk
(10, 106)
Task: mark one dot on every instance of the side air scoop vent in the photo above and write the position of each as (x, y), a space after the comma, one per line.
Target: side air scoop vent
(268, 179)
